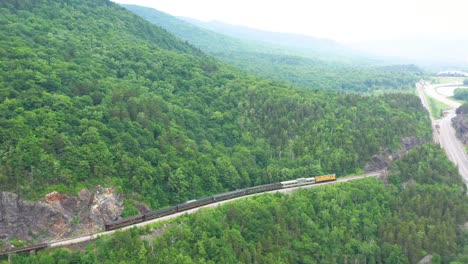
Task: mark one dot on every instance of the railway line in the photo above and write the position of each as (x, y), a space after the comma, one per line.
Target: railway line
(85, 238)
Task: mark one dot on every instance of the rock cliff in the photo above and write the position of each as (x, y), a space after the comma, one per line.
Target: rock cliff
(57, 215)
(385, 157)
(460, 123)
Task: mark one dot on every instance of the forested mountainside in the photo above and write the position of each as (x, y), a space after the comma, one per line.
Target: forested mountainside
(321, 65)
(307, 44)
(93, 94)
(419, 212)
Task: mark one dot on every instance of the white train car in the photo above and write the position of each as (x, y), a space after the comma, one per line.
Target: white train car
(297, 182)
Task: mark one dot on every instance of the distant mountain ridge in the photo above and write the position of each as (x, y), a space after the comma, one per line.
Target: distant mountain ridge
(291, 40)
(186, 30)
(305, 61)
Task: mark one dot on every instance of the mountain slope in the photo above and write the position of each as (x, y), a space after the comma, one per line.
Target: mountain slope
(198, 36)
(92, 94)
(305, 61)
(306, 44)
(420, 211)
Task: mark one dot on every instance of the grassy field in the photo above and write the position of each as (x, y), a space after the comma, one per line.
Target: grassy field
(436, 107)
(441, 80)
(456, 100)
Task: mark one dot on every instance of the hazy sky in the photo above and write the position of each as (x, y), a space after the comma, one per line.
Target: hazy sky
(343, 20)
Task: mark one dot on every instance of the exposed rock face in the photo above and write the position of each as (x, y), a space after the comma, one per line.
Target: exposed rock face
(385, 157)
(57, 216)
(460, 123)
(426, 260)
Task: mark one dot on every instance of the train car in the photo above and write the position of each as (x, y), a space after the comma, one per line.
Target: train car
(194, 203)
(124, 222)
(301, 181)
(263, 188)
(297, 182)
(288, 184)
(160, 213)
(310, 180)
(228, 195)
(325, 178)
(216, 198)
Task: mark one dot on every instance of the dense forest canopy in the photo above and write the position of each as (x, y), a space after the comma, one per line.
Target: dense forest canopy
(461, 94)
(307, 62)
(92, 94)
(419, 212)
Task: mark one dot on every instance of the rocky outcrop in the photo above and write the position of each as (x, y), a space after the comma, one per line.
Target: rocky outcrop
(426, 260)
(385, 157)
(460, 123)
(57, 216)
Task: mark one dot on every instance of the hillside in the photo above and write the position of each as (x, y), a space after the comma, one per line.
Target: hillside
(198, 36)
(304, 61)
(418, 213)
(94, 95)
(300, 43)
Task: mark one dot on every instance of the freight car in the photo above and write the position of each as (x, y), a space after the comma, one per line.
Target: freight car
(263, 188)
(194, 203)
(160, 213)
(229, 195)
(124, 222)
(217, 198)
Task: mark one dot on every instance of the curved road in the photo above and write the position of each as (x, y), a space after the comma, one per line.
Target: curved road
(447, 137)
(85, 238)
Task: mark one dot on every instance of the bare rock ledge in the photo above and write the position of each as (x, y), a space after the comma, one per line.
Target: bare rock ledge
(57, 216)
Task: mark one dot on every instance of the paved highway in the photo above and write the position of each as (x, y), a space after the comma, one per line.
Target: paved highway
(431, 91)
(447, 137)
(81, 239)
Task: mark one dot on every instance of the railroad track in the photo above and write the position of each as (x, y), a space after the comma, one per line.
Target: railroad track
(85, 238)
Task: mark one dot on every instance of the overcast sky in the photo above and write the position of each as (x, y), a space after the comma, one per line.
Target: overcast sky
(342, 20)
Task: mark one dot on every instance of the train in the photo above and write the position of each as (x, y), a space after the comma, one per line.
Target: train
(193, 204)
(216, 198)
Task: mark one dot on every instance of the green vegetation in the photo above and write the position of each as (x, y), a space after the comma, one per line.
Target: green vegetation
(462, 109)
(419, 212)
(92, 94)
(437, 108)
(307, 67)
(18, 243)
(461, 94)
(442, 80)
(428, 211)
